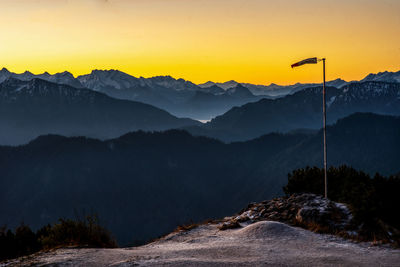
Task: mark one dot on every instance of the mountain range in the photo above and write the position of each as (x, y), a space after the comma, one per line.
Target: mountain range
(177, 96)
(180, 97)
(36, 107)
(32, 107)
(143, 185)
(274, 90)
(302, 110)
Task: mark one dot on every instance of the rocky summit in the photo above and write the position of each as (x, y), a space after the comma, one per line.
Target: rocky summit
(307, 210)
(254, 237)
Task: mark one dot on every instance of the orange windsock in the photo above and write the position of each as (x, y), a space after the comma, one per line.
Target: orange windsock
(312, 60)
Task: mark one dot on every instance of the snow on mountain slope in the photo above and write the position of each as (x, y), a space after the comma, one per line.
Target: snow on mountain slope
(13, 90)
(99, 80)
(60, 78)
(273, 90)
(170, 83)
(38, 107)
(368, 94)
(383, 77)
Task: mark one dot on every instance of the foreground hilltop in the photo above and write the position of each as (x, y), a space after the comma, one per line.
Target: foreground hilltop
(253, 241)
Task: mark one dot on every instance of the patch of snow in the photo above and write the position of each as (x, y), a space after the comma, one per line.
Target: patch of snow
(330, 101)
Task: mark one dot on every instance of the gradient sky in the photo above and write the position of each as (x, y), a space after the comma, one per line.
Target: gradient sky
(199, 40)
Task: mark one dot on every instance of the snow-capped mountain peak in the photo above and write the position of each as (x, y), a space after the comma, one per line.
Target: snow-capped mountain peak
(100, 80)
(61, 78)
(385, 76)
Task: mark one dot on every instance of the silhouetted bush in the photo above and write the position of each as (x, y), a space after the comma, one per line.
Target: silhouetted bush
(81, 232)
(76, 232)
(373, 201)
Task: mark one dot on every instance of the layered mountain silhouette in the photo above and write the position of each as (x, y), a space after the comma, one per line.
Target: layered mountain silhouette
(30, 112)
(177, 96)
(302, 110)
(385, 76)
(180, 97)
(274, 90)
(36, 107)
(62, 78)
(143, 185)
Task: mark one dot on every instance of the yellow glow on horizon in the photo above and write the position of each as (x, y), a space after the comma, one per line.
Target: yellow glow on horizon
(199, 40)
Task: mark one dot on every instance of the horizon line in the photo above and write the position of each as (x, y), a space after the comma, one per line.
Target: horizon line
(149, 77)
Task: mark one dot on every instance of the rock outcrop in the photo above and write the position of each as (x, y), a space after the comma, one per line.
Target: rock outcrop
(307, 210)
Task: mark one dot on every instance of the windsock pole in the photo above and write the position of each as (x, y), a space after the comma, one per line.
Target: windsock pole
(315, 60)
(325, 148)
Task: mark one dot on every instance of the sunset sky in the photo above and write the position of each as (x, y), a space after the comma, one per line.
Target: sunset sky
(199, 40)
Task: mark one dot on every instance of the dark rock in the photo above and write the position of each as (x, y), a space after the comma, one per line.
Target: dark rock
(301, 209)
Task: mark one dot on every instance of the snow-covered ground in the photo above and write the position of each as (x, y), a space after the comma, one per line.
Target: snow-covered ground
(264, 243)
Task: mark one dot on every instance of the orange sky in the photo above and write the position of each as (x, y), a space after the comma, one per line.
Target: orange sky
(199, 40)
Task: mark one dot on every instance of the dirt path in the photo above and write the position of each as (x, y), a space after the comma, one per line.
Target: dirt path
(264, 243)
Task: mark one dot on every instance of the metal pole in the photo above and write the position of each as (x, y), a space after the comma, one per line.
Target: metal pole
(324, 111)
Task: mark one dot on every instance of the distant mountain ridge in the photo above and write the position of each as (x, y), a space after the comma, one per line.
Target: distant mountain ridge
(385, 76)
(173, 95)
(301, 110)
(36, 107)
(275, 90)
(62, 78)
(178, 95)
(98, 79)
